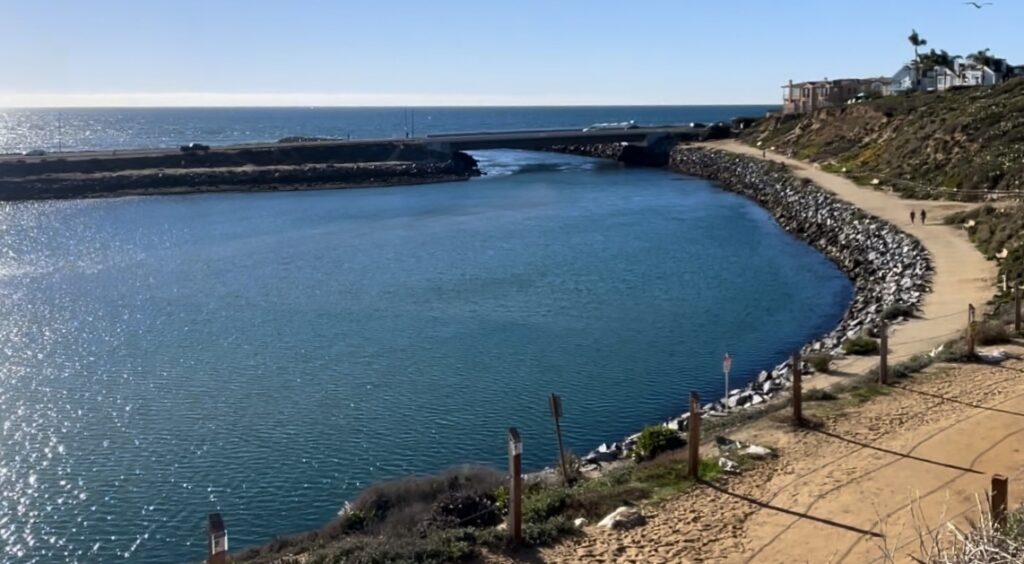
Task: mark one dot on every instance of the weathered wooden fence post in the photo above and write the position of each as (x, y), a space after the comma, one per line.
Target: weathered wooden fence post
(883, 366)
(798, 407)
(693, 469)
(1016, 308)
(972, 327)
(515, 490)
(556, 412)
(217, 544)
(1000, 497)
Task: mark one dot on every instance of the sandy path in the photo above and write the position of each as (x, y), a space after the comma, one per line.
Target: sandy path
(962, 275)
(840, 494)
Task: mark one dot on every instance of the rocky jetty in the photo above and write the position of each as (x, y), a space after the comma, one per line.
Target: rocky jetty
(887, 266)
(217, 173)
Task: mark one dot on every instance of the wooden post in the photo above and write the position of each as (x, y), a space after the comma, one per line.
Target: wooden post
(1016, 308)
(798, 408)
(971, 329)
(556, 412)
(1000, 491)
(515, 490)
(693, 469)
(883, 367)
(217, 544)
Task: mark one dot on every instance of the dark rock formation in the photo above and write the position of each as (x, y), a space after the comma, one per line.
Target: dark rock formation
(434, 167)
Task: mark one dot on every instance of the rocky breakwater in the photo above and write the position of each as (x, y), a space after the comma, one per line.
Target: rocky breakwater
(301, 168)
(887, 266)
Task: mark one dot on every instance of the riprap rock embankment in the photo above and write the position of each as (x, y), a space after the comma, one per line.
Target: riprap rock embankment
(886, 265)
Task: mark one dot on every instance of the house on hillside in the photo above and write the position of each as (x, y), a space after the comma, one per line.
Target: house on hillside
(919, 77)
(801, 97)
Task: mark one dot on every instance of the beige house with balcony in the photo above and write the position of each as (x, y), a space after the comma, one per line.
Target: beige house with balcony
(802, 97)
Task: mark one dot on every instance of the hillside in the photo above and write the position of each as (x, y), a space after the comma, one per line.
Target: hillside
(959, 144)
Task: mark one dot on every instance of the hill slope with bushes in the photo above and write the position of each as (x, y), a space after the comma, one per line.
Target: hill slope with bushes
(958, 144)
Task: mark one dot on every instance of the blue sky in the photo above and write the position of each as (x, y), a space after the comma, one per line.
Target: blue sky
(454, 52)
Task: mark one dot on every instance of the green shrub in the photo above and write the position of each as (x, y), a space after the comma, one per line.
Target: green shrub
(895, 311)
(860, 346)
(542, 502)
(501, 498)
(655, 440)
(991, 333)
(912, 365)
(819, 361)
(869, 391)
(596, 501)
(547, 532)
(438, 548)
(954, 351)
(460, 509)
(819, 394)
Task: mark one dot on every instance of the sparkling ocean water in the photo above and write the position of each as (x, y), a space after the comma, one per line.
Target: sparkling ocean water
(267, 355)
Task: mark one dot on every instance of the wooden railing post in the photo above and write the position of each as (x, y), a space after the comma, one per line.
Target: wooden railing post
(1000, 497)
(972, 327)
(556, 413)
(693, 469)
(1016, 308)
(515, 490)
(798, 408)
(883, 367)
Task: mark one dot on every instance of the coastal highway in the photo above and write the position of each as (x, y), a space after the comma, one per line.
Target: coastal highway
(468, 141)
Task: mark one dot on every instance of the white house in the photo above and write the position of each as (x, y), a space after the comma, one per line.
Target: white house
(937, 78)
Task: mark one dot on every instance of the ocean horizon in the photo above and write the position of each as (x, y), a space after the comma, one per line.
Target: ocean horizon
(79, 129)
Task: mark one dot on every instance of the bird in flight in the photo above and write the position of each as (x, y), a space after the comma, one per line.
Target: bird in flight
(977, 4)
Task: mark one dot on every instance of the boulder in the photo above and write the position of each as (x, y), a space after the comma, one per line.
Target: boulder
(725, 443)
(758, 452)
(623, 518)
(580, 522)
(728, 466)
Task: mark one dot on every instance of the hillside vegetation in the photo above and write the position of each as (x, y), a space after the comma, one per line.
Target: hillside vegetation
(961, 144)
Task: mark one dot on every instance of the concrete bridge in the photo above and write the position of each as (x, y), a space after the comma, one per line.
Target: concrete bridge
(543, 139)
(446, 143)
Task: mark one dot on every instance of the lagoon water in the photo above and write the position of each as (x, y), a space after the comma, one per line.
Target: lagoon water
(267, 355)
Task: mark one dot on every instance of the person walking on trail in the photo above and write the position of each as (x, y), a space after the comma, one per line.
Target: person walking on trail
(923, 215)
(913, 214)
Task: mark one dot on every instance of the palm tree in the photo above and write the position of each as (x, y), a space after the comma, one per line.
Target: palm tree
(939, 58)
(983, 57)
(917, 41)
(915, 67)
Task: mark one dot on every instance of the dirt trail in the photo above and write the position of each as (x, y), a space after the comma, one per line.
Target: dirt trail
(962, 275)
(842, 493)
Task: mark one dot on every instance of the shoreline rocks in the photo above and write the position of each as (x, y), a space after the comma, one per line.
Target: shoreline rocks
(887, 266)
